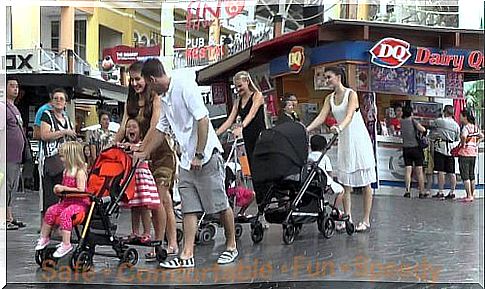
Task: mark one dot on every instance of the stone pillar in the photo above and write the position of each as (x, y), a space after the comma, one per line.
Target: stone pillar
(66, 34)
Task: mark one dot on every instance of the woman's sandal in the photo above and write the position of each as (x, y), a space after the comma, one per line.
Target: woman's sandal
(362, 227)
(145, 239)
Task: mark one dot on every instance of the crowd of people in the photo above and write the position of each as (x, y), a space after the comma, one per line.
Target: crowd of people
(166, 127)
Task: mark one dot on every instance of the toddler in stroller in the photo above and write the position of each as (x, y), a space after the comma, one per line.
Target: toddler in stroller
(290, 191)
(109, 182)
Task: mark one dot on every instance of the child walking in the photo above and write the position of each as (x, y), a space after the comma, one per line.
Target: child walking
(73, 181)
(146, 196)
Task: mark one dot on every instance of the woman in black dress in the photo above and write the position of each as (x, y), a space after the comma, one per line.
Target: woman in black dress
(249, 106)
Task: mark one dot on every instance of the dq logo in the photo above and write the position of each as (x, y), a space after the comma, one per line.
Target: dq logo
(390, 52)
(296, 59)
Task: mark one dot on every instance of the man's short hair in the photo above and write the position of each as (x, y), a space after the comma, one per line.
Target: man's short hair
(449, 110)
(153, 67)
(318, 143)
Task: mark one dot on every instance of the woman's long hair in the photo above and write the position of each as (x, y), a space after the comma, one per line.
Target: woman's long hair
(132, 107)
(338, 71)
(244, 75)
(73, 153)
(468, 114)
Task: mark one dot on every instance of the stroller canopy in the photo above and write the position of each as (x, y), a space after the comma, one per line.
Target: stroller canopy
(110, 173)
(280, 152)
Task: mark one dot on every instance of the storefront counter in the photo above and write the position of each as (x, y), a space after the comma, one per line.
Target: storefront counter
(390, 162)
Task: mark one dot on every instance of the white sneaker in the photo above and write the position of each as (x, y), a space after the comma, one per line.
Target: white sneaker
(42, 243)
(62, 251)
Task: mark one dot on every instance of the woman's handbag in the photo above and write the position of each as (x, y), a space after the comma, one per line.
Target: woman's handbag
(53, 165)
(455, 152)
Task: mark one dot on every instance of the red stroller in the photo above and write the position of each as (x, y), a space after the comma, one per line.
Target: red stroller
(110, 181)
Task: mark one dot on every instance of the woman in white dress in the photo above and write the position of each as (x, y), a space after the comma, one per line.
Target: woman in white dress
(356, 162)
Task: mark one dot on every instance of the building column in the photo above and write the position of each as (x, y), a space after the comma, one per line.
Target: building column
(92, 39)
(168, 35)
(25, 26)
(66, 35)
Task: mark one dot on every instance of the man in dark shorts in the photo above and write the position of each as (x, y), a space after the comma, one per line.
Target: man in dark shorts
(446, 135)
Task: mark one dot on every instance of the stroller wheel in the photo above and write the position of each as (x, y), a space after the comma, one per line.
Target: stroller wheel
(39, 257)
(328, 228)
(81, 261)
(213, 229)
(288, 234)
(238, 231)
(321, 224)
(298, 228)
(161, 254)
(130, 257)
(205, 235)
(46, 258)
(180, 235)
(257, 232)
(349, 228)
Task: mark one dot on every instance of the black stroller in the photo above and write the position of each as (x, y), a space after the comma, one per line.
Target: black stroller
(111, 180)
(289, 190)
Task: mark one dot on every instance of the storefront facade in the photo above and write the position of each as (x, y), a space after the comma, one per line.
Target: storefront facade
(388, 66)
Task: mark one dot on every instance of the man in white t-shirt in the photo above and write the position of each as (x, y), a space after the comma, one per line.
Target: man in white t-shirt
(201, 176)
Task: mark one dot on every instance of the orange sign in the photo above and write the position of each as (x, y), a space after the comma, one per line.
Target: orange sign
(296, 58)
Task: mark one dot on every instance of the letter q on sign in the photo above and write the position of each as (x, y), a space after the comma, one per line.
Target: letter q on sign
(390, 52)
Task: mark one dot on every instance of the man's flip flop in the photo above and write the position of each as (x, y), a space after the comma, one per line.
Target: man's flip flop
(227, 257)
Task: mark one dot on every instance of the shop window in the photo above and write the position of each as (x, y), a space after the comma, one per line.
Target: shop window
(80, 38)
(55, 36)
(136, 38)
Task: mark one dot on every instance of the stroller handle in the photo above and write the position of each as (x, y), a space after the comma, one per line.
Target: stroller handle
(331, 142)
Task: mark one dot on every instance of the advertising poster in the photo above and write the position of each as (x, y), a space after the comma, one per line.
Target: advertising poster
(454, 85)
(319, 81)
(367, 103)
(362, 75)
(435, 84)
(420, 83)
(219, 93)
(397, 80)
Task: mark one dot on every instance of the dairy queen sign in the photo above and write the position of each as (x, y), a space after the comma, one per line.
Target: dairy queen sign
(393, 53)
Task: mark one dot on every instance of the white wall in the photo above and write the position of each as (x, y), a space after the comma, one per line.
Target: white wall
(45, 31)
(470, 14)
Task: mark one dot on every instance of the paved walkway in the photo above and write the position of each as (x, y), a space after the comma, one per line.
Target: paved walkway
(411, 241)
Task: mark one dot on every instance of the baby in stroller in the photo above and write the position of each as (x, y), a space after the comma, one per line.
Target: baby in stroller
(318, 144)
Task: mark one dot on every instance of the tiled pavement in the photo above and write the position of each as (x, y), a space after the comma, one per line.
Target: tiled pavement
(412, 242)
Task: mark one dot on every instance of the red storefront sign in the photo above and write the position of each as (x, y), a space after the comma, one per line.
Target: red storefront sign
(393, 53)
(457, 61)
(123, 54)
(296, 59)
(390, 53)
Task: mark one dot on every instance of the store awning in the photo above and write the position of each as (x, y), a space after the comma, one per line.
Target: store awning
(82, 85)
(259, 54)
(213, 72)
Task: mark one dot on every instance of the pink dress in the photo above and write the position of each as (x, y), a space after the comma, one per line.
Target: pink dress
(64, 211)
(146, 192)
